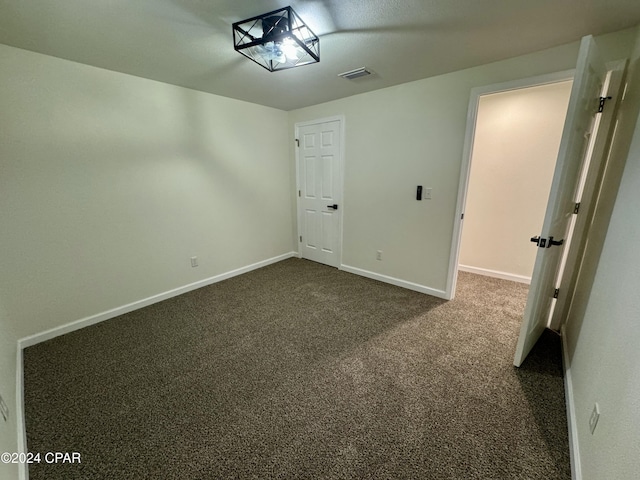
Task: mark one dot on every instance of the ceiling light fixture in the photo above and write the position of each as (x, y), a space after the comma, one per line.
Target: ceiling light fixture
(276, 40)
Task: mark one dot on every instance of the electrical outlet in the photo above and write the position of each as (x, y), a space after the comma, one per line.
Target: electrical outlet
(593, 419)
(194, 261)
(4, 410)
(379, 255)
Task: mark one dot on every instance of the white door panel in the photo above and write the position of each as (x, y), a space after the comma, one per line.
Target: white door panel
(320, 169)
(327, 177)
(583, 106)
(310, 231)
(328, 228)
(595, 176)
(310, 177)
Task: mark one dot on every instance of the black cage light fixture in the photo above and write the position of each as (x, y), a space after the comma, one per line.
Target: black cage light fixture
(276, 40)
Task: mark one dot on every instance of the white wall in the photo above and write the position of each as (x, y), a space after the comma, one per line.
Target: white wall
(8, 429)
(603, 335)
(110, 183)
(413, 134)
(515, 149)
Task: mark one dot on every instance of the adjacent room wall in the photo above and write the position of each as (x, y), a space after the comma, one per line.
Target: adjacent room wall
(515, 149)
(413, 134)
(603, 330)
(110, 183)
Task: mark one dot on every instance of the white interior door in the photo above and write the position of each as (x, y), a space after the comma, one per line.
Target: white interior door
(598, 170)
(320, 194)
(583, 107)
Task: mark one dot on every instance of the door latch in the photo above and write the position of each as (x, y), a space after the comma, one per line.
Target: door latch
(553, 242)
(540, 242)
(546, 243)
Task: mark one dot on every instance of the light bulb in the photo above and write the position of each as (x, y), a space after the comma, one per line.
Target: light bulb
(289, 49)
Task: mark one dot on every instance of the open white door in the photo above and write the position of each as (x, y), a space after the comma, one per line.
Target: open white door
(583, 106)
(594, 179)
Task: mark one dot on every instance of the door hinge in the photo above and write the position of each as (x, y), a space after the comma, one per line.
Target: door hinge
(300, 237)
(297, 142)
(462, 217)
(299, 193)
(556, 292)
(576, 209)
(602, 102)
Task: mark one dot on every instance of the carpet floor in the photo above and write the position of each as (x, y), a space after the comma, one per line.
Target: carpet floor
(298, 370)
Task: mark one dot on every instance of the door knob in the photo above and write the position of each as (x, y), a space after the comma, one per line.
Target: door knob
(553, 242)
(334, 206)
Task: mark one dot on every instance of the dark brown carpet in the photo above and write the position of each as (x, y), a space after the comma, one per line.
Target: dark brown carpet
(298, 370)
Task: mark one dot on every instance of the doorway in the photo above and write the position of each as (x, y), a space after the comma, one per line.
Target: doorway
(576, 181)
(492, 237)
(515, 147)
(319, 165)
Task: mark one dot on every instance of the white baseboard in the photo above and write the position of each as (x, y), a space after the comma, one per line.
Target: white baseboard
(395, 281)
(574, 452)
(114, 312)
(495, 274)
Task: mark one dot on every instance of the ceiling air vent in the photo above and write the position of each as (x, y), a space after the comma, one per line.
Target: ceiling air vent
(358, 72)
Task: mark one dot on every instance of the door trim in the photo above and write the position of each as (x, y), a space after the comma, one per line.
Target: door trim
(465, 167)
(297, 125)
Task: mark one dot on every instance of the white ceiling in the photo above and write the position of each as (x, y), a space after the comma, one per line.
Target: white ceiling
(189, 42)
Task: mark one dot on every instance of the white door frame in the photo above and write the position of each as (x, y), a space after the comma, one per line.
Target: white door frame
(341, 119)
(465, 168)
